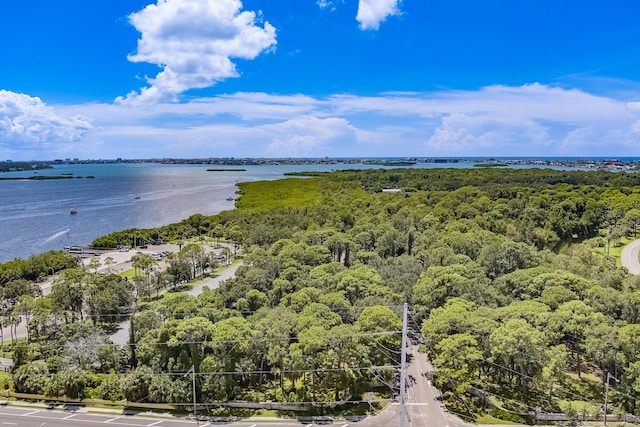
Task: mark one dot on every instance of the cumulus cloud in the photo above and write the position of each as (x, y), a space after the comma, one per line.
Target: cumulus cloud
(372, 12)
(533, 120)
(193, 42)
(467, 134)
(308, 135)
(26, 121)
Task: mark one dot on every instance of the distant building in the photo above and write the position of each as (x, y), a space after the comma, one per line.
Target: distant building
(392, 190)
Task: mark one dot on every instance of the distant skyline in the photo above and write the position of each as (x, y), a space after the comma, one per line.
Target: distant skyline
(316, 78)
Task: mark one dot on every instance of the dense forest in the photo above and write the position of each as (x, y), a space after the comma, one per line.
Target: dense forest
(505, 272)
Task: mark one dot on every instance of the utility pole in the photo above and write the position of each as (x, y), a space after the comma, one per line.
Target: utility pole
(606, 394)
(404, 415)
(192, 371)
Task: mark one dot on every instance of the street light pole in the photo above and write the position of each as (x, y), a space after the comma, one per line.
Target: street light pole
(192, 371)
(606, 394)
(404, 415)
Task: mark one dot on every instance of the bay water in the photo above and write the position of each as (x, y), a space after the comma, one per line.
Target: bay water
(35, 214)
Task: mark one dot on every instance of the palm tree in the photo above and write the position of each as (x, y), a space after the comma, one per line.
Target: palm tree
(145, 263)
(109, 261)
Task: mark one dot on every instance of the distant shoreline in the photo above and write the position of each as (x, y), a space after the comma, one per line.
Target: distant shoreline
(42, 177)
(230, 164)
(24, 166)
(226, 170)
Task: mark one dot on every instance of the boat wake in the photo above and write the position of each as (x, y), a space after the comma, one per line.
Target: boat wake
(55, 236)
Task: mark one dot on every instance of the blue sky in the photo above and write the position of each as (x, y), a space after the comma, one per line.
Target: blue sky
(314, 78)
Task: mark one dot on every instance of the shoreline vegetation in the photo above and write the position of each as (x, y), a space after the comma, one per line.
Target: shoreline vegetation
(44, 177)
(388, 163)
(505, 272)
(490, 165)
(23, 166)
(227, 170)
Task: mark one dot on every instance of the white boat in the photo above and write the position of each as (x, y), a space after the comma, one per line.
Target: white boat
(73, 211)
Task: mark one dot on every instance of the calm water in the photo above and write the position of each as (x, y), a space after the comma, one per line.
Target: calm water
(34, 215)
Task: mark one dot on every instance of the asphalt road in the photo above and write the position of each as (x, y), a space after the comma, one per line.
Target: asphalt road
(629, 257)
(121, 334)
(424, 406)
(423, 400)
(23, 417)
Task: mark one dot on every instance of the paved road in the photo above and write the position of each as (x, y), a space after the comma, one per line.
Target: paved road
(629, 257)
(22, 417)
(121, 262)
(121, 335)
(424, 404)
(423, 399)
(214, 282)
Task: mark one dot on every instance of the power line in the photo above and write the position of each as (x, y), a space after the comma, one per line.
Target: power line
(254, 339)
(283, 371)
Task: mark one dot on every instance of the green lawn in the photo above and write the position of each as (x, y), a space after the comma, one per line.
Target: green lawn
(6, 381)
(616, 250)
(489, 419)
(129, 274)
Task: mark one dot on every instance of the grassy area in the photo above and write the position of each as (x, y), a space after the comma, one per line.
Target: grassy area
(6, 380)
(616, 250)
(129, 274)
(284, 193)
(489, 419)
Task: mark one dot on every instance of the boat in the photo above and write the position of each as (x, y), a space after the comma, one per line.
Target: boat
(137, 197)
(73, 211)
(229, 199)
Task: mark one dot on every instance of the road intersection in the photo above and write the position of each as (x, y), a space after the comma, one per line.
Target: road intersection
(424, 404)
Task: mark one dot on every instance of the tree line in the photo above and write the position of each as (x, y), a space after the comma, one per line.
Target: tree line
(500, 268)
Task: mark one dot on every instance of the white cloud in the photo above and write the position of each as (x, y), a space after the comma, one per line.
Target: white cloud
(372, 12)
(28, 123)
(328, 4)
(193, 42)
(466, 135)
(532, 120)
(308, 136)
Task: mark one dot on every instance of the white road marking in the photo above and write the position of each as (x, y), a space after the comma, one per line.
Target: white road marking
(9, 424)
(152, 424)
(112, 419)
(253, 425)
(345, 425)
(30, 413)
(70, 416)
